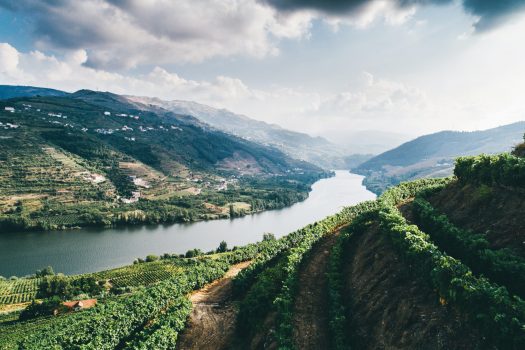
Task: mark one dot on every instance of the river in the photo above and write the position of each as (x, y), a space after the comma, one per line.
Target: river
(96, 249)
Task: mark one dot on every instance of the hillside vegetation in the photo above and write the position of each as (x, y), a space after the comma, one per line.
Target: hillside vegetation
(433, 155)
(92, 158)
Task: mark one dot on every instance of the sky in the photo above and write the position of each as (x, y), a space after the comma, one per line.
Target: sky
(334, 68)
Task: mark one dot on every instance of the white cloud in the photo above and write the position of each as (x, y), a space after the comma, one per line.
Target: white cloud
(120, 34)
(125, 34)
(8, 59)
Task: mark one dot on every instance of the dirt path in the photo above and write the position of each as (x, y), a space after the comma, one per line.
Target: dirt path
(311, 306)
(212, 320)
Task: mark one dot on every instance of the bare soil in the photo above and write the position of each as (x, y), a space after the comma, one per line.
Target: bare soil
(390, 309)
(212, 320)
(311, 319)
(496, 212)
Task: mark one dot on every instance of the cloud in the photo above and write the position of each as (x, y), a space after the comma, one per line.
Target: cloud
(127, 33)
(371, 100)
(489, 13)
(8, 59)
(492, 13)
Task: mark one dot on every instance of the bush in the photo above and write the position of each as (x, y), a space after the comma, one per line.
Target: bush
(193, 253)
(502, 169)
(67, 288)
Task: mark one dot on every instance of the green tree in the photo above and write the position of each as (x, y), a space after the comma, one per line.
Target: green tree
(193, 253)
(223, 247)
(46, 271)
(151, 258)
(268, 236)
(47, 307)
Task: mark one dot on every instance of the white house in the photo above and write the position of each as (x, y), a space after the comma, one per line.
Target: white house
(10, 109)
(107, 113)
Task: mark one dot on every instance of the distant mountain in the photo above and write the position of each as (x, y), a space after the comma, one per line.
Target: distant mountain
(433, 155)
(316, 150)
(10, 91)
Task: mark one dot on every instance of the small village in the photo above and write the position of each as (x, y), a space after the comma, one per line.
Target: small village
(103, 131)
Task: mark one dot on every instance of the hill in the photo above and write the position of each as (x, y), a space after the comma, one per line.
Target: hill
(433, 155)
(316, 150)
(419, 268)
(10, 91)
(93, 158)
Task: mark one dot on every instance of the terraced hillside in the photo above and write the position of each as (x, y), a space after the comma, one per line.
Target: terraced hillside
(92, 158)
(406, 271)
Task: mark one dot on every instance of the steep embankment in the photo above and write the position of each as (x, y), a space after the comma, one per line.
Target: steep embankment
(311, 318)
(388, 308)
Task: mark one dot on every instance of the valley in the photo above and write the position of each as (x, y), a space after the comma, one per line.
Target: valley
(114, 189)
(262, 175)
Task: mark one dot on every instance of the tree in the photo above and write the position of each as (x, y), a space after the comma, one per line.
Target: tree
(46, 271)
(193, 253)
(47, 307)
(223, 247)
(66, 288)
(151, 258)
(268, 236)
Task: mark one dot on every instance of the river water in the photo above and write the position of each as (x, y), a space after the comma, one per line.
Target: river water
(96, 249)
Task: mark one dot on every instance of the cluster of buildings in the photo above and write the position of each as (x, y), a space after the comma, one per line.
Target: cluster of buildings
(9, 126)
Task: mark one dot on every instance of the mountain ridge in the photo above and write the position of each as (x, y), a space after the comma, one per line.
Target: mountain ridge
(433, 155)
(299, 145)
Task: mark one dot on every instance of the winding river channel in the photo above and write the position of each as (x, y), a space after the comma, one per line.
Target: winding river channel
(96, 249)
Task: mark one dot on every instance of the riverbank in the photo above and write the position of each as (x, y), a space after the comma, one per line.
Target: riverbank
(97, 249)
(28, 212)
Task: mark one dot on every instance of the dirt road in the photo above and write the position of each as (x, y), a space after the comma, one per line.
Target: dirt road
(212, 320)
(311, 306)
